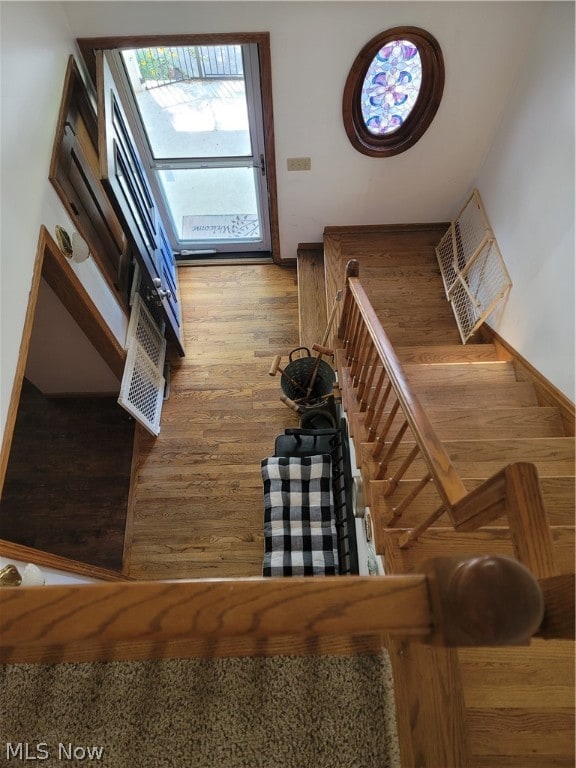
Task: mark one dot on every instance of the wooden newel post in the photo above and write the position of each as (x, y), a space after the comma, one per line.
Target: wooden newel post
(560, 600)
(483, 601)
(352, 270)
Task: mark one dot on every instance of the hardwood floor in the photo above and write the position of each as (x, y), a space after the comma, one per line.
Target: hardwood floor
(68, 477)
(197, 502)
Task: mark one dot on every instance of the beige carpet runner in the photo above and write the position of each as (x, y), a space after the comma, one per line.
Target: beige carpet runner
(264, 712)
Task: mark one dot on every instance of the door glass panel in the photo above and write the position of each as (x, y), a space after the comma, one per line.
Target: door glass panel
(213, 203)
(200, 124)
(192, 100)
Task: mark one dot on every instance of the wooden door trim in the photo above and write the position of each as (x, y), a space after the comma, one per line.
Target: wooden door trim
(22, 359)
(124, 175)
(51, 265)
(89, 45)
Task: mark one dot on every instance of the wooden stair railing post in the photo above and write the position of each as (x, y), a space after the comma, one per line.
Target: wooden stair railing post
(360, 356)
(528, 521)
(485, 600)
(559, 613)
(383, 433)
(392, 448)
(366, 374)
(409, 498)
(410, 537)
(515, 493)
(352, 269)
(375, 407)
(392, 482)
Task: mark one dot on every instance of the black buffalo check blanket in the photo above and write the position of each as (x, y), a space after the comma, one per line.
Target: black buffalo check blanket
(299, 526)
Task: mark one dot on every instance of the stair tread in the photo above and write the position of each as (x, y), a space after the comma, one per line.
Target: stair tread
(447, 353)
(368, 240)
(496, 422)
(443, 332)
(460, 373)
(551, 455)
(427, 319)
(527, 421)
(385, 272)
(463, 394)
(514, 393)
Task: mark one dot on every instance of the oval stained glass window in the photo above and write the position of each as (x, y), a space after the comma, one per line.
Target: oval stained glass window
(391, 87)
(393, 91)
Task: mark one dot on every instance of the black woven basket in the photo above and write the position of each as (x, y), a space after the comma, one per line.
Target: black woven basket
(300, 369)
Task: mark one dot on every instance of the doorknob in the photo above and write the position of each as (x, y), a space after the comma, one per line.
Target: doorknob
(163, 293)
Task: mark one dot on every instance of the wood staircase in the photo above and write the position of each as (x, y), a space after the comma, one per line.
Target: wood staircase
(475, 707)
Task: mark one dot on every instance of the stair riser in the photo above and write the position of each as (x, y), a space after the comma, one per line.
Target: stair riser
(457, 374)
(498, 423)
(483, 458)
(489, 394)
(448, 543)
(558, 494)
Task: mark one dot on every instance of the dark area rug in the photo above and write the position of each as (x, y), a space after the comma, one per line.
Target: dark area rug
(263, 712)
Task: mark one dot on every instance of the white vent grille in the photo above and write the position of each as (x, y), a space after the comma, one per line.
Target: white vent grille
(143, 329)
(142, 387)
(473, 270)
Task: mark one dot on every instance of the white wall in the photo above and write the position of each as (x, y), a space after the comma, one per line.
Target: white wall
(61, 359)
(527, 184)
(35, 44)
(313, 46)
(52, 576)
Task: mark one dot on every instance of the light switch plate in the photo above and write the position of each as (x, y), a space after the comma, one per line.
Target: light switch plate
(299, 163)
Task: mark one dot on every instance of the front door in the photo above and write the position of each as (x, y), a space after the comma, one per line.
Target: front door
(123, 174)
(198, 114)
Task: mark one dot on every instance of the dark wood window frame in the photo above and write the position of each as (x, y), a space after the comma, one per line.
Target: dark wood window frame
(89, 45)
(424, 109)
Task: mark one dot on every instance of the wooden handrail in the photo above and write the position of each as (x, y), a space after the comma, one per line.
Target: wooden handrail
(448, 483)
(450, 604)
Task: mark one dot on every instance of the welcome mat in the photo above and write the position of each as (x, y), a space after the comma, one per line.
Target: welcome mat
(232, 226)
